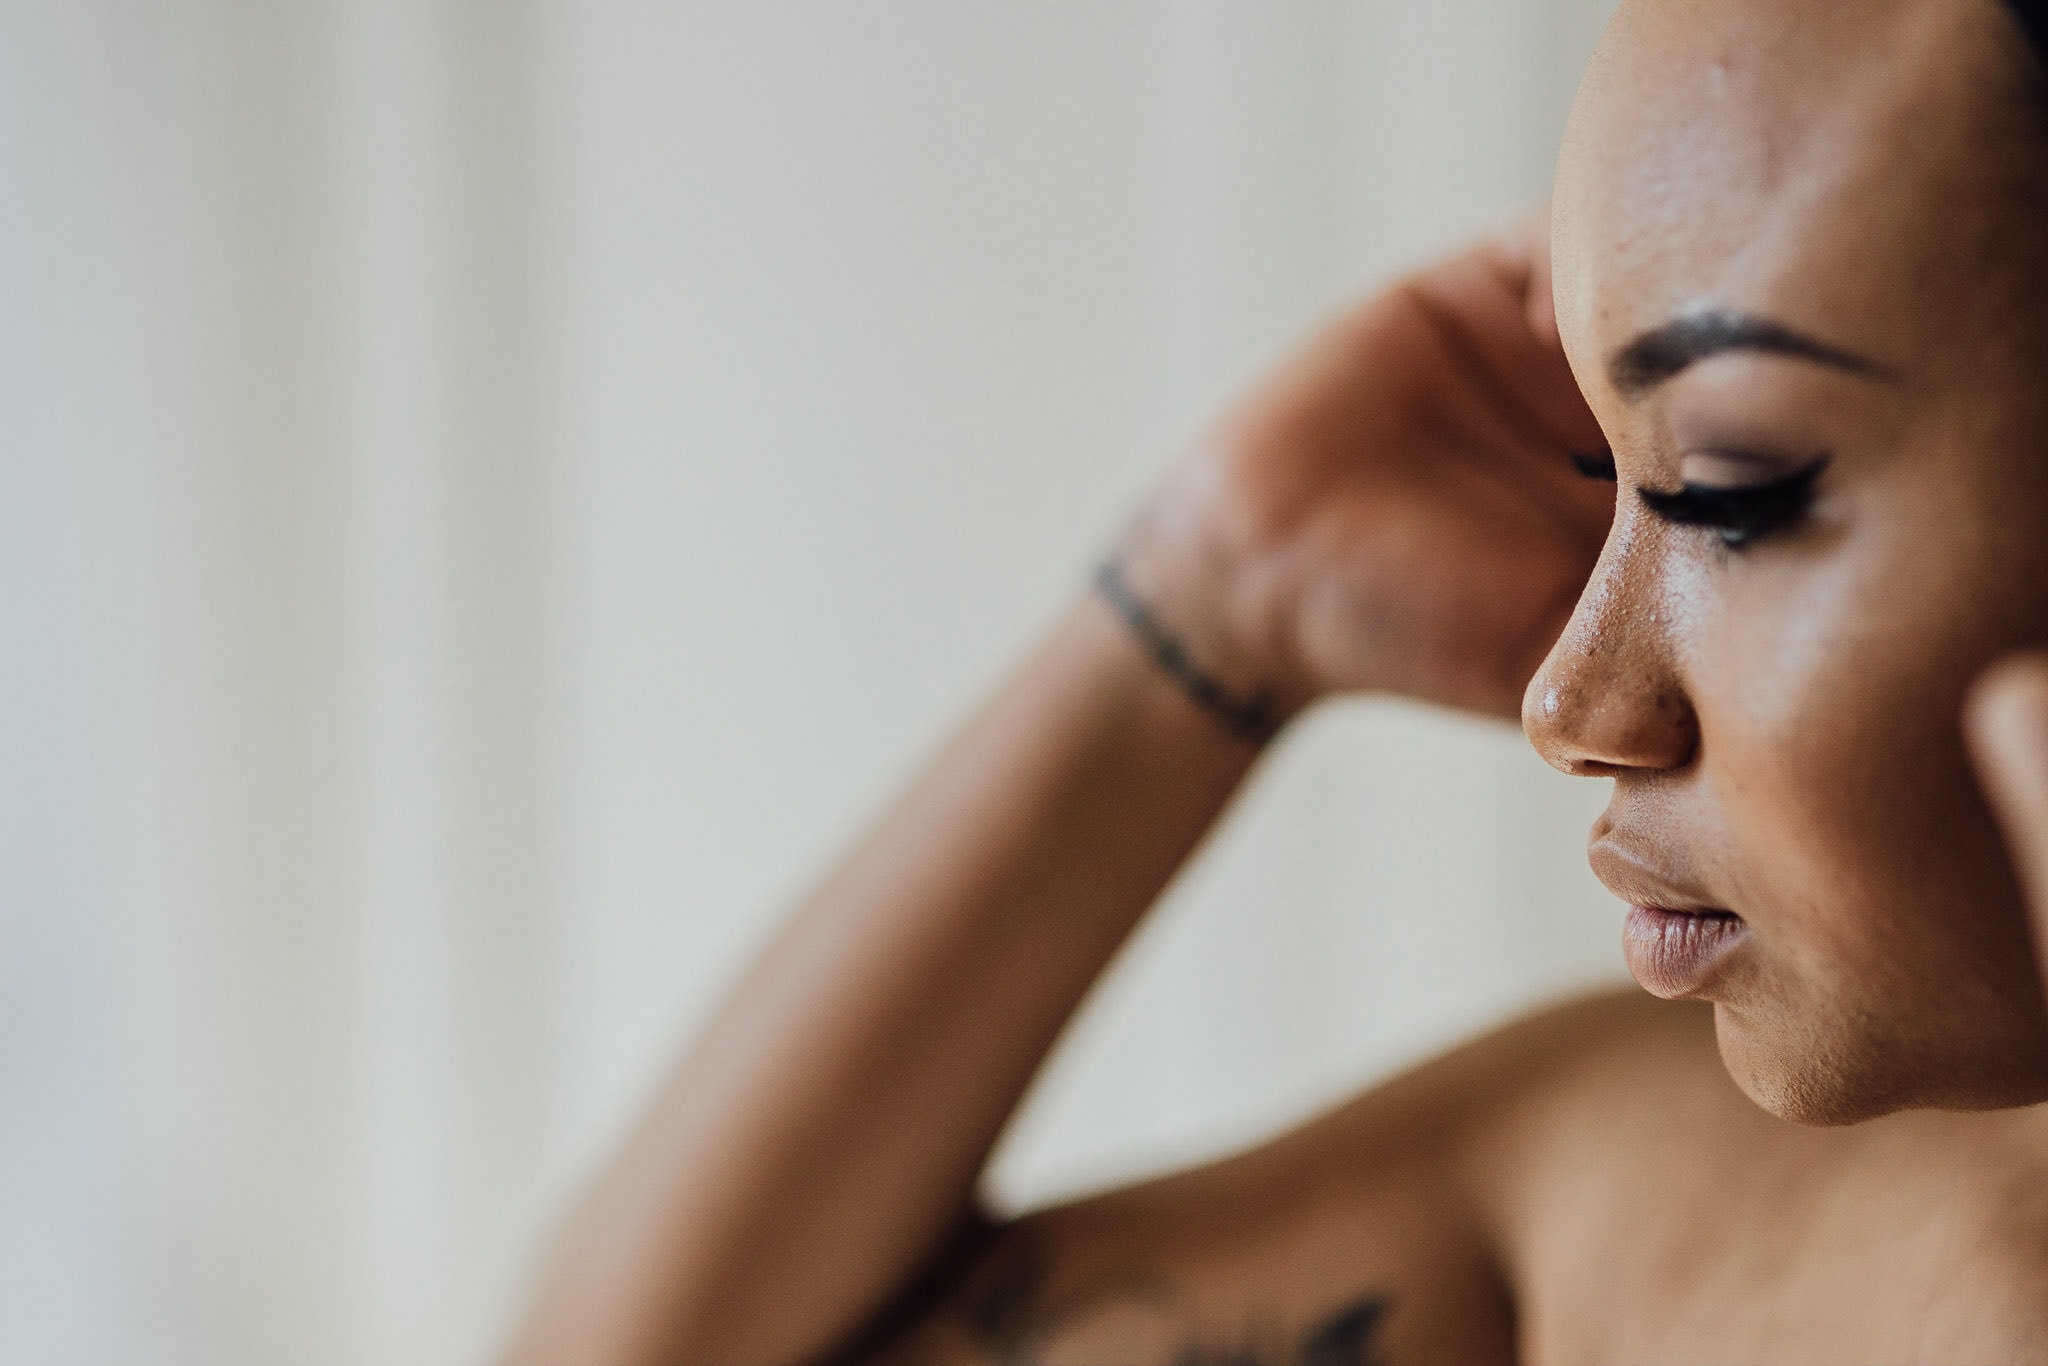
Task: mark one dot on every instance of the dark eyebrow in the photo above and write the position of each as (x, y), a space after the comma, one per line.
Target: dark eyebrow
(1665, 351)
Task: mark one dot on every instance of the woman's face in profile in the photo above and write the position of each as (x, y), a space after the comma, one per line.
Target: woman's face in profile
(1802, 276)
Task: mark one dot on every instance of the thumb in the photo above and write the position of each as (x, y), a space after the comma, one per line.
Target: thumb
(2006, 724)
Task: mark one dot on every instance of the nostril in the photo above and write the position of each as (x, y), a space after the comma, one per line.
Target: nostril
(1604, 727)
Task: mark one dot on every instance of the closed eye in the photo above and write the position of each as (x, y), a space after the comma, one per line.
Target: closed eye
(1740, 514)
(1595, 464)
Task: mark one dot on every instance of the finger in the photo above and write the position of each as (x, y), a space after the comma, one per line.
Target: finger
(1484, 296)
(1514, 398)
(1541, 305)
(1515, 269)
(1519, 259)
(2006, 724)
(1539, 310)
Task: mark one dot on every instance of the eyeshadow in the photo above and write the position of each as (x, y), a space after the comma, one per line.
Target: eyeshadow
(1740, 514)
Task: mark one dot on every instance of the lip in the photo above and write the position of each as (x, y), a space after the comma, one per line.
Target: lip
(1674, 954)
(1675, 942)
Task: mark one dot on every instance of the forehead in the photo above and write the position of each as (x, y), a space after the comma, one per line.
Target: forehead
(1824, 164)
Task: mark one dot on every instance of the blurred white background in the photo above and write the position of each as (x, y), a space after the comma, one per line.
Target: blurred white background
(496, 493)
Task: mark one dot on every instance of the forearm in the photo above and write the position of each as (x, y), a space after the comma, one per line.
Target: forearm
(828, 1129)
(1393, 512)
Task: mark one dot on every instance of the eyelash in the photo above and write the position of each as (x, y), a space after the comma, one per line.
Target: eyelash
(1739, 516)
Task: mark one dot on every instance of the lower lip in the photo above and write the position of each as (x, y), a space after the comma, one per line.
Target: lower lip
(1674, 953)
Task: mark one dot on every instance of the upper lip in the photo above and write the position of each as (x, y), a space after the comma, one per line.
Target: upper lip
(1638, 880)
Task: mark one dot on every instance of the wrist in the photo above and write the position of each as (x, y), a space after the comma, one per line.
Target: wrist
(1253, 717)
(1205, 621)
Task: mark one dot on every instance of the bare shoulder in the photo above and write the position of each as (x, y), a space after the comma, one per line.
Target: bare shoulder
(1370, 1235)
(1550, 1191)
(1987, 1297)
(1646, 1209)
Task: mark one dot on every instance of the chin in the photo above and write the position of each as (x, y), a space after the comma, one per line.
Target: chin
(1824, 1079)
(1799, 1079)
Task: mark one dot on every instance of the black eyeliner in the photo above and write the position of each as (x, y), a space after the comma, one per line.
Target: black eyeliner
(1739, 514)
(1595, 465)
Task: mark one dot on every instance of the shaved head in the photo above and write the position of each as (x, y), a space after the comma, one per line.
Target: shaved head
(1800, 276)
(1726, 148)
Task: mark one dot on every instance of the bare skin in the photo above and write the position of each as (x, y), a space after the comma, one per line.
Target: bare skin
(1777, 683)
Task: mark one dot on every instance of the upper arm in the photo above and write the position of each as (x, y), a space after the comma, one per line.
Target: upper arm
(1350, 1242)
(1378, 1235)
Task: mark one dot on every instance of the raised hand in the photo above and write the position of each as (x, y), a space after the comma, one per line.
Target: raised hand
(1396, 510)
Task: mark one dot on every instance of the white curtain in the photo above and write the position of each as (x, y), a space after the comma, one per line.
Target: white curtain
(495, 493)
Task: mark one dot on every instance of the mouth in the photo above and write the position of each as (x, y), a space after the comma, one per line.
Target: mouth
(1674, 953)
(1675, 940)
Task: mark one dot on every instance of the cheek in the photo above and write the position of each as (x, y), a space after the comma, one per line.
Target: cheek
(1828, 677)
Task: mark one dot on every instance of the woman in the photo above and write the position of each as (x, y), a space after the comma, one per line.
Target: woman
(1801, 281)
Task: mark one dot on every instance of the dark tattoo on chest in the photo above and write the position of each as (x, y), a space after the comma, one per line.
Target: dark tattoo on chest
(1009, 1313)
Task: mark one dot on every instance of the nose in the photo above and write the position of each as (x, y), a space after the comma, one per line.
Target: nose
(1609, 699)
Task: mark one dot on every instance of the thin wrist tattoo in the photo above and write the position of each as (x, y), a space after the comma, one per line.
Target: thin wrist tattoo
(1254, 719)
